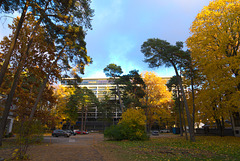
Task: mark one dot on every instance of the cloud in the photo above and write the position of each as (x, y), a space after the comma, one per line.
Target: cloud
(120, 27)
(107, 12)
(4, 21)
(96, 74)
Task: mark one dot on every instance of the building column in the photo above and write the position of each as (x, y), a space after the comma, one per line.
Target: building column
(10, 125)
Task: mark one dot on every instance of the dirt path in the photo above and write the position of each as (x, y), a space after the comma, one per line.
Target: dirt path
(74, 148)
(65, 152)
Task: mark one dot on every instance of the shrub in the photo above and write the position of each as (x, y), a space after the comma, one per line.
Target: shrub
(131, 127)
(28, 132)
(114, 132)
(9, 135)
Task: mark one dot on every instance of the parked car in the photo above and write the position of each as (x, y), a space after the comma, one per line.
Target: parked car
(165, 131)
(57, 133)
(79, 132)
(71, 132)
(155, 133)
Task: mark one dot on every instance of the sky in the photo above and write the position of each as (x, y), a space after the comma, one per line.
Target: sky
(121, 26)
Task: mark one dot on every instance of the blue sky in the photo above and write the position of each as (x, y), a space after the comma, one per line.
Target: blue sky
(121, 26)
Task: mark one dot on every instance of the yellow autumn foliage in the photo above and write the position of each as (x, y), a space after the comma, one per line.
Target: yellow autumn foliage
(62, 94)
(133, 117)
(157, 98)
(214, 46)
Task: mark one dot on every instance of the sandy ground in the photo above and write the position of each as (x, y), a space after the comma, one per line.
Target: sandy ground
(88, 147)
(74, 148)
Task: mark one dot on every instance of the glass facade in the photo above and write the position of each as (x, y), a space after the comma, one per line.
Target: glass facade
(102, 81)
(100, 87)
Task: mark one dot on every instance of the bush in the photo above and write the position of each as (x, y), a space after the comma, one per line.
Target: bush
(28, 133)
(32, 132)
(131, 127)
(9, 135)
(114, 132)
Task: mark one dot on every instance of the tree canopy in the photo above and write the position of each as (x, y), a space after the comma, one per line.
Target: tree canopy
(132, 86)
(157, 99)
(65, 24)
(214, 46)
(63, 20)
(81, 98)
(113, 70)
(160, 52)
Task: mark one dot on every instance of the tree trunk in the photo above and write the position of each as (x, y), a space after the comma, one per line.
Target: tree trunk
(146, 113)
(184, 122)
(39, 97)
(115, 95)
(218, 126)
(233, 123)
(193, 104)
(82, 121)
(191, 132)
(223, 127)
(10, 98)
(180, 113)
(13, 43)
(119, 97)
(85, 118)
(44, 85)
(15, 82)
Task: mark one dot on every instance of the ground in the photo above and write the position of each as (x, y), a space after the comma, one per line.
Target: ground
(74, 148)
(90, 147)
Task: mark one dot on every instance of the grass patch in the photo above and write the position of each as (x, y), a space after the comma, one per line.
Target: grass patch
(175, 148)
(9, 146)
(8, 143)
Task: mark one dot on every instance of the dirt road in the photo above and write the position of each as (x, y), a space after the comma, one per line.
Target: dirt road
(74, 148)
